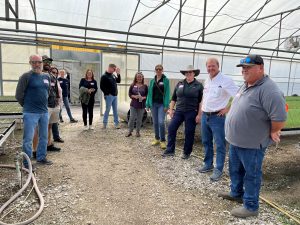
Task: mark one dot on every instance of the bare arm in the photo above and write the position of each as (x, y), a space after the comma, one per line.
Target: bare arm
(171, 108)
(275, 130)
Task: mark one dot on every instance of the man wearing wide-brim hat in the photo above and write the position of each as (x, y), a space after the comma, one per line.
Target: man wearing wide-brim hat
(187, 96)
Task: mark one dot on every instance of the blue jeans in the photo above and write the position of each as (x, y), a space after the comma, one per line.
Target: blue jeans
(189, 130)
(67, 106)
(158, 118)
(31, 121)
(212, 128)
(245, 170)
(111, 101)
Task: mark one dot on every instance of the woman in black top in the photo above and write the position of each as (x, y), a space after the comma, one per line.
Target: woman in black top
(187, 97)
(88, 88)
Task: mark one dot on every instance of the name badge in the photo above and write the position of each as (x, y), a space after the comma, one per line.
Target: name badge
(60, 82)
(92, 83)
(161, 83)
(180, 86)
(46, 81)
(135, 86)
(52, 84)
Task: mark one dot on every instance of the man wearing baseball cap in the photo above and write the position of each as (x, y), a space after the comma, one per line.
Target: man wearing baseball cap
(256, 116)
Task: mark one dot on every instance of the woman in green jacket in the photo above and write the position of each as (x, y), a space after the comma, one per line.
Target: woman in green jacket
(158, 99)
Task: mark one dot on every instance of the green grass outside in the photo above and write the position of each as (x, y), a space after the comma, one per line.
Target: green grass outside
(293, 112)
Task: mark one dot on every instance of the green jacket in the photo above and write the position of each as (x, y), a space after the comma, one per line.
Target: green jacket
(166, 97)
(84, 96)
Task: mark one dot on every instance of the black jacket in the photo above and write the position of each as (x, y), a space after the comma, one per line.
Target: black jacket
(108, 84)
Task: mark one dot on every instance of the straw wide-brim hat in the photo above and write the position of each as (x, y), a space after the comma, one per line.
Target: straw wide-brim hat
(190, 68)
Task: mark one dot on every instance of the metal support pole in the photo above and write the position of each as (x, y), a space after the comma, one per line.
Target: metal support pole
(279, 33)
(179, 27)
(86, 21)
(204, 20)
(163, 3)
(1, 77)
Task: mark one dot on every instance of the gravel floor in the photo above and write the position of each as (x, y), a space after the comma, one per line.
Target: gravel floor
(102, 177)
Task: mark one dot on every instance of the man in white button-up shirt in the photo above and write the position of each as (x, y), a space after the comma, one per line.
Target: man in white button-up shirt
(218, 89)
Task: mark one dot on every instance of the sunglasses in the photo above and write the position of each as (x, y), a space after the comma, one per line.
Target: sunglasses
(47, 61)
(36, 62)
(247, 60)
(158, 69)
(54, 73)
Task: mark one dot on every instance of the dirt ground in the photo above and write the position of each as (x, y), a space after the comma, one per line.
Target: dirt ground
(101, 177)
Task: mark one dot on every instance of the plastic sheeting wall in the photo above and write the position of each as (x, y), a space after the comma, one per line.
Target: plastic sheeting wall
(285, 74)
(14, 62)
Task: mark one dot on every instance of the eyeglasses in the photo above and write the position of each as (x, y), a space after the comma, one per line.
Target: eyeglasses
(36, 62)
(158, 69)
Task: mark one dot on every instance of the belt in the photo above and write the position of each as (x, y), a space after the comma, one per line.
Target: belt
(211, 113)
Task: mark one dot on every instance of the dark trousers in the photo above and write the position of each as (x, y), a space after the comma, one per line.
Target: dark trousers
(88, 109)
(55, 131)
(189, 130)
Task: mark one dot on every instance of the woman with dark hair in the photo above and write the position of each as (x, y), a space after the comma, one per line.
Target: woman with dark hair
(138, 93)
(87, 90)
(158, 100)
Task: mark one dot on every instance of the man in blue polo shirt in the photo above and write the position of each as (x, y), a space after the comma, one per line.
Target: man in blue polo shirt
(255, 119)
(32, 94)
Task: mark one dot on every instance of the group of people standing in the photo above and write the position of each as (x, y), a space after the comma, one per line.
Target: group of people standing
(249, 123)
(254, 120)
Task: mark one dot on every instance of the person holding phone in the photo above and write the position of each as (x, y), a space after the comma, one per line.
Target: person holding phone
(88, 88)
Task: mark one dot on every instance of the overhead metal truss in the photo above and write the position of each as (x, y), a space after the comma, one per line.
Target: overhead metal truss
(157, 48)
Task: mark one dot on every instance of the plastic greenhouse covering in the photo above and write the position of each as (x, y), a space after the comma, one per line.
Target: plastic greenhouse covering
(172, 32)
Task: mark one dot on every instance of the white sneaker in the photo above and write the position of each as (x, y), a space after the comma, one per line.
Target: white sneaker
(86, 127)
(91, 127)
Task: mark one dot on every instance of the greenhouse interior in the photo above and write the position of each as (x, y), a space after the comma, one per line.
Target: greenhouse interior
(137, 35)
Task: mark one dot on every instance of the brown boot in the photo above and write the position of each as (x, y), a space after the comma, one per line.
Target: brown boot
(128, 134)
(242, 212)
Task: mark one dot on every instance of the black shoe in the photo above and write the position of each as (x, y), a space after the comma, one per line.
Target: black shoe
(73, 121)
(52, 148)
(61, 121)
(167, 154)
(60, 140)
(185, 156)
(128, 134)
(44, 162)
(34, 155)
(227, 196)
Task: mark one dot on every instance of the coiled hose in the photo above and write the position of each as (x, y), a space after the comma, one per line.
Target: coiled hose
(15, 196)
